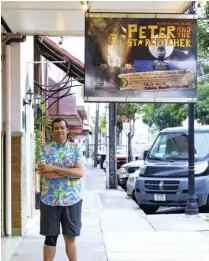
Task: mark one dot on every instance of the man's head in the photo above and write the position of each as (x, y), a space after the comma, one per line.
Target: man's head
(60, 130)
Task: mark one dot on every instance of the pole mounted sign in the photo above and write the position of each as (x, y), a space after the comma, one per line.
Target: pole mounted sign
(135, 58)
(126, 126)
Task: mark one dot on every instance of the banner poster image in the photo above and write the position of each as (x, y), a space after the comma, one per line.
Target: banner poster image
(140, 58)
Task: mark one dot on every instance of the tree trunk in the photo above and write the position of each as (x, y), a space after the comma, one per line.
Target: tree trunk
(118, 137)
(130, 154)
(130, 136)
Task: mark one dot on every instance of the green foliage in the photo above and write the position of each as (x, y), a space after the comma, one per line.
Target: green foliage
(203, 29)
(203, 36)
(164, 115)
(40, 122)
(170, 115)
(128, 110)
(102, 125)
(202, 108)
(38, 134)
(148, 114)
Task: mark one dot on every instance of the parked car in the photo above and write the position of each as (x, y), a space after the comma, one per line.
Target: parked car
(127, 169)
(121, 155)
(163, 181)
(131, 184)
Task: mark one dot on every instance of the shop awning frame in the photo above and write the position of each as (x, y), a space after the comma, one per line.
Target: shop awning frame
(53, 52)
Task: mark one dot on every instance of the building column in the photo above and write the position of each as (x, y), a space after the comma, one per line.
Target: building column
(22, 145)
(1, 150)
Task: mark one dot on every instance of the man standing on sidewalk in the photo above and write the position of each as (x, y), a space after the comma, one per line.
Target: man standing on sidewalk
(60, 168)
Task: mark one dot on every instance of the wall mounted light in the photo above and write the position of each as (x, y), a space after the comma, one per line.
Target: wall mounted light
(37, 100)
(29, 97)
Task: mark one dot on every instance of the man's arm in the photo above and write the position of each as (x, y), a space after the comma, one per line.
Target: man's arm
(76, 172)
(49, 175)
(43, 161)
(78, 169)
(50, 171)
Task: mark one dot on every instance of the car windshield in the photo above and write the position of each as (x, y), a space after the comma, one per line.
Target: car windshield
(174, 146)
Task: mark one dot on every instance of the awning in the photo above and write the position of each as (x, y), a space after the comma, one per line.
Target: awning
(53, 52)
(65, 18)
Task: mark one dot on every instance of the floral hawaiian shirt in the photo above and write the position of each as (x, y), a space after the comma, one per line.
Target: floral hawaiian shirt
(62, 191)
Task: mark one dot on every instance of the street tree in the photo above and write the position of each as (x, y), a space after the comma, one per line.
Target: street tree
(164, 115)
(169, 115)
(132, 112)
(203, 29)
(102, 123)
(202, 107)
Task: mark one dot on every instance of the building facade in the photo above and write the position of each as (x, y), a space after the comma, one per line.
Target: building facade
(21, 65)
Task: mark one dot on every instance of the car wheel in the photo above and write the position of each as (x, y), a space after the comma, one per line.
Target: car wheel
(133, 196)
(205, 208)
(124, 187)
(101, 164)
(148, 209)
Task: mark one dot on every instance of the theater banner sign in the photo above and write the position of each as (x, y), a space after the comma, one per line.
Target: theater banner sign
(138, 59)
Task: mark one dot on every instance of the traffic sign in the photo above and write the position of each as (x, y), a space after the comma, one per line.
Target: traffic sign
(126, 125)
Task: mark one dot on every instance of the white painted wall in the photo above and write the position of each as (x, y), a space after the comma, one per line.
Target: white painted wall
(22, 58)
(1, 105)
(22, 80)
(26, 61)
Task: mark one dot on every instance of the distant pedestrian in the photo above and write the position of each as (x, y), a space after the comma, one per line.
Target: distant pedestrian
(61, 168)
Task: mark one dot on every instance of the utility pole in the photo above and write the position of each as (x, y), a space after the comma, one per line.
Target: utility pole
(87, 146)
(129, 158)
(112, 146)
(107, 142)
(96, 135)
(191, 205)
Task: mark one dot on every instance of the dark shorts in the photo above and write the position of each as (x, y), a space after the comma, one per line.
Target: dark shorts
(69, 217)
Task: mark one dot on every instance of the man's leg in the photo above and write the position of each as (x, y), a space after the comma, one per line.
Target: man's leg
(71, 227)
(71, 248)
(50, 248)
(49, 227)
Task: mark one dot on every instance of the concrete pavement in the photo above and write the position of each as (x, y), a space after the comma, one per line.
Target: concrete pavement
(115, 229)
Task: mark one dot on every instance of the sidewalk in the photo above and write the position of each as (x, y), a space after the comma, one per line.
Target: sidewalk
(115, 229)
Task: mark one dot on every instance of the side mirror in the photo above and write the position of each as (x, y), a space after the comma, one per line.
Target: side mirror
(145, 154)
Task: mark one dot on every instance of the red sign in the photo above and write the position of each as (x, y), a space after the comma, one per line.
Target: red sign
(76, 129)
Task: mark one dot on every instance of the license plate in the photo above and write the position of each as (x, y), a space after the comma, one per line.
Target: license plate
(159, 197)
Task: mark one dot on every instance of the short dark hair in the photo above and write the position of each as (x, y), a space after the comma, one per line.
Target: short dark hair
(59, 120)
